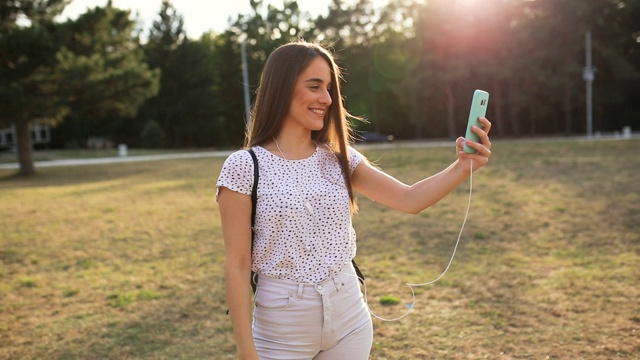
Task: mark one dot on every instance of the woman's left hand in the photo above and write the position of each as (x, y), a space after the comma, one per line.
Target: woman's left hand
(480, 158)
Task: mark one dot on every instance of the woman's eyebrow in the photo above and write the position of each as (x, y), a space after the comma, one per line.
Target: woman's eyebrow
(316, 80)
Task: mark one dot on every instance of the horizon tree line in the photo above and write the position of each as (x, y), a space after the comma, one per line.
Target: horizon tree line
(410, 69)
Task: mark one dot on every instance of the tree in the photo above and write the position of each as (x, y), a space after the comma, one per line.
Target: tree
(27, 57)
(101, 64)
(165, 35)
(446, 33)
(547, 56)
(82, 71)
(375, 48)
(263, 30)
(165, 38)
(227, 100)
(188, 106)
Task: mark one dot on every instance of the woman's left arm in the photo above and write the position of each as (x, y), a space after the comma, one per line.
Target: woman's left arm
(385, 189)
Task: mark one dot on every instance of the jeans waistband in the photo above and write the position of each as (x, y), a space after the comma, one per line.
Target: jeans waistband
(323, 288)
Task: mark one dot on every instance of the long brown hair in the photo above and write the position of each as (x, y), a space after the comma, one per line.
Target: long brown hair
(274, 96)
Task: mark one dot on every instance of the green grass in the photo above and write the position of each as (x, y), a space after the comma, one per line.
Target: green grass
(124, 261)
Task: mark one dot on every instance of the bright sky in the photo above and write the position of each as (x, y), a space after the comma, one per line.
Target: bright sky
(199, 15)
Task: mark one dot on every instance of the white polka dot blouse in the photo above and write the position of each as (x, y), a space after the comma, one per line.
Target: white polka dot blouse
(303, 229)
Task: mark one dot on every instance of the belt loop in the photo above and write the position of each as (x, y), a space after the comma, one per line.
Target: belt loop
(335, 283)
(300, 289)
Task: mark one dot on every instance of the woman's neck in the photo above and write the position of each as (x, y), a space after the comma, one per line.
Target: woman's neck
(291, 146)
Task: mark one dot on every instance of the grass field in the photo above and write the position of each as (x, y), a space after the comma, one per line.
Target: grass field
(124, 261)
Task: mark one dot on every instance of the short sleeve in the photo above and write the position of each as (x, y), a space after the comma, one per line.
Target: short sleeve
(355, 158)
(237, 173)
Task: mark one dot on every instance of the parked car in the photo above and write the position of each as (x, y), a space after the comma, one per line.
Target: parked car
(370, 136)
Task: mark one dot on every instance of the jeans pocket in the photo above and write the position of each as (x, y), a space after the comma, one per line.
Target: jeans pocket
(268, 298)
(350, 284)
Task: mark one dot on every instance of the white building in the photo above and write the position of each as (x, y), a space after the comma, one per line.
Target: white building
(40, 134)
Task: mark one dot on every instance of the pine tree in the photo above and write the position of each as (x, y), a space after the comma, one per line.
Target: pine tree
(27, 57)
(101, 65)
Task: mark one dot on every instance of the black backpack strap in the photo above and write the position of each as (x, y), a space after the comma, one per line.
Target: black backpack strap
(254, 201)
(358, 272)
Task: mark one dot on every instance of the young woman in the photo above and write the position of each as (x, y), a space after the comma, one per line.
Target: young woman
(308, 303)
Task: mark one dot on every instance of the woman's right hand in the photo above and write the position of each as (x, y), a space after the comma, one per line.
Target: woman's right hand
(250, 354)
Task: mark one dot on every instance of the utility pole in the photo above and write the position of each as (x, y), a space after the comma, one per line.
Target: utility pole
(589, 75)
(245, 80)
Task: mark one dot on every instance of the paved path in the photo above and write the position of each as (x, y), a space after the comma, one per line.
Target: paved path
(203, 154)
(120, 159)
(206, 154)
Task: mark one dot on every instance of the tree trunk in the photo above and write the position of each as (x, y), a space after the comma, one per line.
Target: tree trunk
(497, 106)
(23, 139)
(532, 117)
(556, 119)
(374, 112)
(514, 110)
(418, 113)
(567, 109)
(451, 103)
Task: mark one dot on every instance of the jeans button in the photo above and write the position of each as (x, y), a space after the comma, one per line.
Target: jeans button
(319, 287)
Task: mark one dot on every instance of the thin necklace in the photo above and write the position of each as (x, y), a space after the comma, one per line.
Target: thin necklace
(307, 205)
(278, 146)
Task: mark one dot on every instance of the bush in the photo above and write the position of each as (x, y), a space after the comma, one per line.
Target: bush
(152, 135)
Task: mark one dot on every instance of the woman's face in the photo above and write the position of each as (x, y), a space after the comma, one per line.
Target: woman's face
(311, 100)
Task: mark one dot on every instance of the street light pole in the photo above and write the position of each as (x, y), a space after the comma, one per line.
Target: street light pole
(245, 80)
(589, 75)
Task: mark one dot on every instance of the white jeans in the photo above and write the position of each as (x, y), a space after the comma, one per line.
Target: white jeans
(329, 320)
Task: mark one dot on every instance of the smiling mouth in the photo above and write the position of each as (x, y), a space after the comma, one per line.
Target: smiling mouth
(318, 111)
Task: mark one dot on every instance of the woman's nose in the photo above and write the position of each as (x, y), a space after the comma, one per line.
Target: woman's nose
(325, 97)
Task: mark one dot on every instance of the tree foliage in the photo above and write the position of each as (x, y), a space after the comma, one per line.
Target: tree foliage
(410, 67)
(102, 66)
(27, 57)
(83, 72)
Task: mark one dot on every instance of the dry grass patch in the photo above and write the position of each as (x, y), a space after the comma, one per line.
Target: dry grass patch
(124, 261)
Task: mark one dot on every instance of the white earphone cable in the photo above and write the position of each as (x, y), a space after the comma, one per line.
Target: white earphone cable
(411, 305)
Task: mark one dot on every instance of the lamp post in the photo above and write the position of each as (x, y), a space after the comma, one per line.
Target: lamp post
(588, 75)
(245, 80)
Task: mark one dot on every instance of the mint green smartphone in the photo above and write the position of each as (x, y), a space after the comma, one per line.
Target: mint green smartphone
(479, 105)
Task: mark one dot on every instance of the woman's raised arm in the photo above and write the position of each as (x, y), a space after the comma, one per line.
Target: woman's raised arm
(387, 190)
